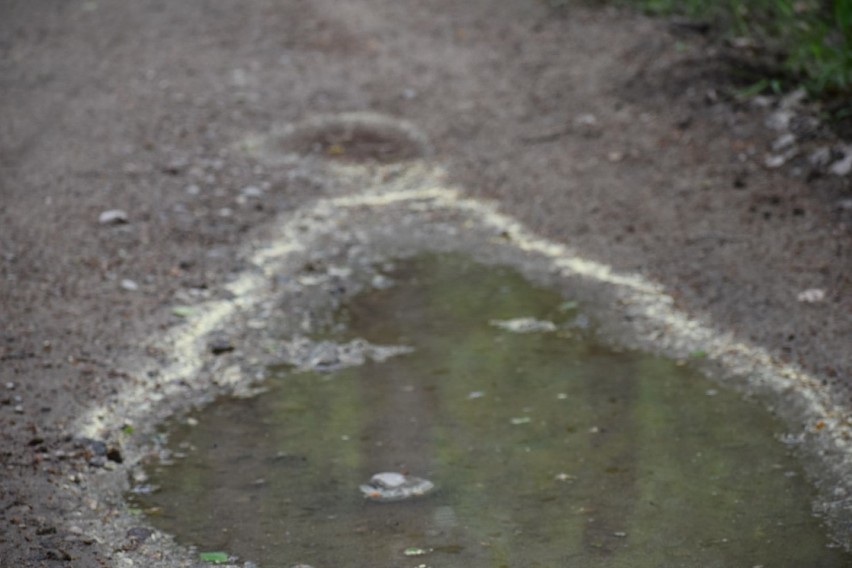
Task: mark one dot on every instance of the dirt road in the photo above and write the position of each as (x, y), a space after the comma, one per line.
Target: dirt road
(602, 130)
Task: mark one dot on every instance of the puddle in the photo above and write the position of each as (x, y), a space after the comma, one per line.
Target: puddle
(546, 448)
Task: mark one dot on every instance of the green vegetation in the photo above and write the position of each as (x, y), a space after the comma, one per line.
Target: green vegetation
(214, 557)
(811, 38)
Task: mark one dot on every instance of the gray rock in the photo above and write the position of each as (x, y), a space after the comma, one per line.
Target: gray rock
(783, 142)
(309, 355)
(392, 486)
(820, 157)
(843, 166)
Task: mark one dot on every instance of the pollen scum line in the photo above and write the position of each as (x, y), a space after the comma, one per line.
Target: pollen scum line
(419, 187)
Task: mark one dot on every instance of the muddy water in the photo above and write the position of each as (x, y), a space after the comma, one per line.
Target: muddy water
(548, 449)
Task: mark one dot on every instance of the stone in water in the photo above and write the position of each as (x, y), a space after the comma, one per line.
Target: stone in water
(391, 486)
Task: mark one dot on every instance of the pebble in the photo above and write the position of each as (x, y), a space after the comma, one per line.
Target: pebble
(783, 142)
(586, 120)
(113, 217)
(774, 161)
(381, 282)
(780, 120)
(524, 325)
(252, 191)
(129, 285)
(820, 157)
(220, 345)
(19, 409)
(176, 165)
(843, 166)
(392, 486)
(811, 296)
(139, 533)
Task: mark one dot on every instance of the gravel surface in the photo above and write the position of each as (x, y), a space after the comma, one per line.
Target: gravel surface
(146, 145)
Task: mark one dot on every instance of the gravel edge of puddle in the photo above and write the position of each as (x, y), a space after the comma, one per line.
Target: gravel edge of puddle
(405, 211)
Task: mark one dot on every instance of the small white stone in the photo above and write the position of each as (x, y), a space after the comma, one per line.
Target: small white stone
(783, 142)
(524, 325)
(779, 120)
(843, 166)
(775, 161)
(381, 282)
(252, 191)
(391, 486)
(388, 480)
(811, 295)
(129, 285)
(586, 120)
(113, 217)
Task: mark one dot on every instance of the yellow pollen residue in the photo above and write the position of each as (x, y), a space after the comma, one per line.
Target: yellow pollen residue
(415, 190)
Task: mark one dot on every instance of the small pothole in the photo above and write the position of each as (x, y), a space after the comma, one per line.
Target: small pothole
(356, 137)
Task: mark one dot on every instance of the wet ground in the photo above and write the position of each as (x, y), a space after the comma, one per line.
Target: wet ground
(605, 146)
(547, 447)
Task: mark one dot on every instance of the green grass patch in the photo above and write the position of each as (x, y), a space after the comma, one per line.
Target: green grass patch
(813, 38)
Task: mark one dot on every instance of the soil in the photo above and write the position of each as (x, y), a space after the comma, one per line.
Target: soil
(618, 135)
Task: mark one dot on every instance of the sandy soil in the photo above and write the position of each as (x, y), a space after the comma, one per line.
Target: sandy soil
(598, 128)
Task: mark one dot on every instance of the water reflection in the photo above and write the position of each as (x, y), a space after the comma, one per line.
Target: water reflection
(548, 449)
